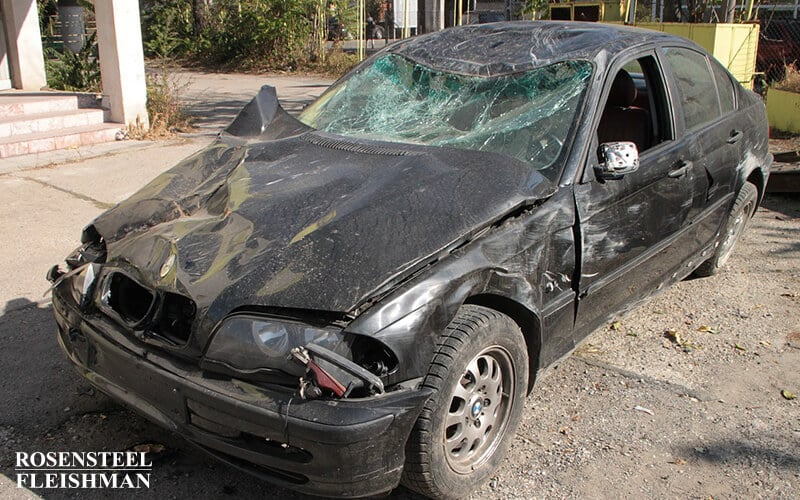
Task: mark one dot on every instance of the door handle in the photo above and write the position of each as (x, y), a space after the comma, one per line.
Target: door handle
(735, 136)
(683, 168)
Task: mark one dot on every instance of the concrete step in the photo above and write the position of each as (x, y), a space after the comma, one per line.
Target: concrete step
(53, 120)
(72, 137)
(15, 104)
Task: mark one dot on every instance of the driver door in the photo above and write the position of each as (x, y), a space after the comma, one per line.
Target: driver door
(628, 227)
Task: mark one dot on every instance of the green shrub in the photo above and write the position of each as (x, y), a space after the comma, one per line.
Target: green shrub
(74, 72)
(168, 29)
(260, 34)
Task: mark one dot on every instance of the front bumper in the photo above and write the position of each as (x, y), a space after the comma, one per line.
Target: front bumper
(344, 447)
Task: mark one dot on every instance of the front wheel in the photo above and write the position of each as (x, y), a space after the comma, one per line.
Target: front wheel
(742, 211)
(479, 376)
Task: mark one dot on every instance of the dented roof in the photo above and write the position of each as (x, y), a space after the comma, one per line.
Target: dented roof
(503, 48)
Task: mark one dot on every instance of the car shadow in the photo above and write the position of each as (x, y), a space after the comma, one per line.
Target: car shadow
(729, 452)
(48, 406)
(787, 204)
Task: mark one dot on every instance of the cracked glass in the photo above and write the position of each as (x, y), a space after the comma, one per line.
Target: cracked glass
(528, 115)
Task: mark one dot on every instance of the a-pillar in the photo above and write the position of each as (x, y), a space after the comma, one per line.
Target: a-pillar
(25, 57)
(119, 40)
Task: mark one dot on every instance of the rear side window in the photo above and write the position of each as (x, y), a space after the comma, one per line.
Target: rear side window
(724, 86)
(696, 88)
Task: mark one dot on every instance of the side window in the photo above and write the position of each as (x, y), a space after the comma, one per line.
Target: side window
(696, 88)
(724, 86)
(636, 106)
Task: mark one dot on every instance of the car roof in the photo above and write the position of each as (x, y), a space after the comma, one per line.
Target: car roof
(509, 47)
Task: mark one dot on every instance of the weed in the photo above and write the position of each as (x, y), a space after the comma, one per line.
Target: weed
(164, 107)
(791, 79)
(74, 72)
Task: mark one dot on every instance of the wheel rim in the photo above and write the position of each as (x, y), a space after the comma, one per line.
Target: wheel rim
(734, 231)
(480, 403)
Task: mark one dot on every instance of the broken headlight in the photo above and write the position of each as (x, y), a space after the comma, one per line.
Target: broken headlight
(83, 284)
(252, 344)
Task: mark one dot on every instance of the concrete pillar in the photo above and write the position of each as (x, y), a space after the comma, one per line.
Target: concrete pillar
(25, 57)
(5, 74)
(119, 39)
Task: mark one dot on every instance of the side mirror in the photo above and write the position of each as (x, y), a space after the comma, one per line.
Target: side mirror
(617, 159)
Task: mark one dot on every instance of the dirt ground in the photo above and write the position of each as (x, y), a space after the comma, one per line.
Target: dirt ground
(636, 412)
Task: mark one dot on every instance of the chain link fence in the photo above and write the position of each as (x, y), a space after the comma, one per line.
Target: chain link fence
(779, 40)
(779, 21)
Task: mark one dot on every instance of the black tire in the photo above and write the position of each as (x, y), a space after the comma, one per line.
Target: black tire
(481, 363)
(742, 211)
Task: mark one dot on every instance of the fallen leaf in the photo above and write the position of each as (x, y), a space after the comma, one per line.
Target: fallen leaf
(764, 342)
(590, 349)
(788, 395)
(632, 334)
(790, 295)
(677, 461)
(738, 347)
(686, 344)
(707, 329)
(616, 326)
(673, 335)
(149, 448)
(643, 410)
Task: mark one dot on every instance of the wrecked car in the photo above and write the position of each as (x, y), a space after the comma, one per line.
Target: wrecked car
(364, 294)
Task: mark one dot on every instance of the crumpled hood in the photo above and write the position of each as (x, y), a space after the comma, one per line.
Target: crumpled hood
(311, 222)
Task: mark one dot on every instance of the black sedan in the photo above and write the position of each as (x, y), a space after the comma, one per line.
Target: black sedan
(364, 294)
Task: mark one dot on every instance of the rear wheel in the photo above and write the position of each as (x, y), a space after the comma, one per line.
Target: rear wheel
(479, 376)
(742, 211)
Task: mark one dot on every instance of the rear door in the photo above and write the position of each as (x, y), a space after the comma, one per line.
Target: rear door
(705, 97)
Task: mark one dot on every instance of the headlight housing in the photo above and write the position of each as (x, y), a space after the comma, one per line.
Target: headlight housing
(250, 344)
(83, 284)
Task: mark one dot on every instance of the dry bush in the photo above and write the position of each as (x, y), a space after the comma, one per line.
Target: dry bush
(335, 64)
(164, 106)
(791, 79)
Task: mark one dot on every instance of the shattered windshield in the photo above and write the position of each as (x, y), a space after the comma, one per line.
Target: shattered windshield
(526, 115)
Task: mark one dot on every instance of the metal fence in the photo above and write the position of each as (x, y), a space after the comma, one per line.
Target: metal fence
(779, 40)
(779, 21)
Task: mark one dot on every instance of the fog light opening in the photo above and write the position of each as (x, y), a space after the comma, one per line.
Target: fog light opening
(129, 299)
